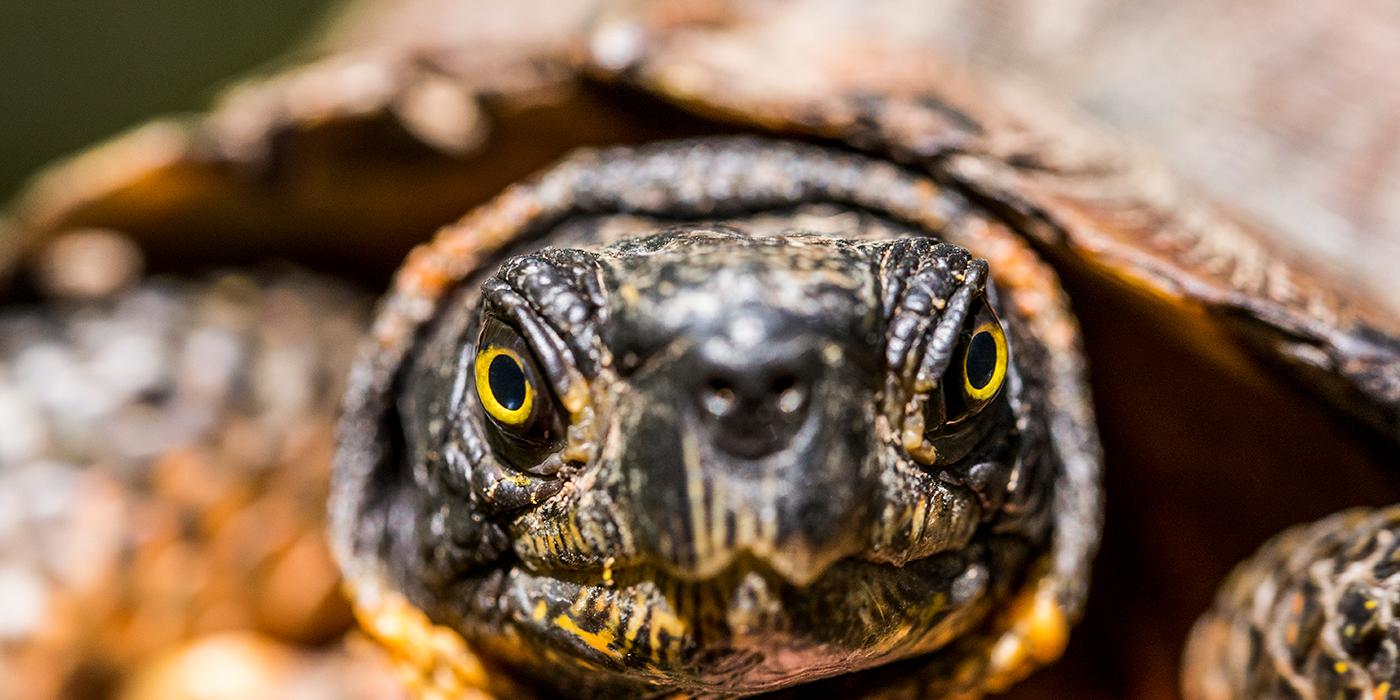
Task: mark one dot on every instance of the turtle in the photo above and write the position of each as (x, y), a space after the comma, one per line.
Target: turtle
(757, 352)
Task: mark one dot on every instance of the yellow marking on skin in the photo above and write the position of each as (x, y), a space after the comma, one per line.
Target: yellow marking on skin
(1371, 605)
(629, 293)
(768, 511)
(608, 571)
(916, 527)
(663, 621)
(832, 355)
(598, 641)
(635, 620)
(575, 398)
(694, 486)
(1381, 690)
(911, 436)
(1340, 667)
(615, 621)
(540, 611)
(572, 535)
(576, 452)
(746, 526)
(716, 514)
(579, 603)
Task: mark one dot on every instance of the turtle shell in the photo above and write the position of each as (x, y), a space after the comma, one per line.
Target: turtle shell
(1193, 319)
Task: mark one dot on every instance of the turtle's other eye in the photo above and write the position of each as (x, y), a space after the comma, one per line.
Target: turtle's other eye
(979, 366)
(514, 394)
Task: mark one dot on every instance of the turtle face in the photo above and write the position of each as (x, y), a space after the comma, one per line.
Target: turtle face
(714, 460)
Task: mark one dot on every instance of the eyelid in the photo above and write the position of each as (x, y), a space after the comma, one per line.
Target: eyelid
(957, 402)
(555, 362)
(939, 352)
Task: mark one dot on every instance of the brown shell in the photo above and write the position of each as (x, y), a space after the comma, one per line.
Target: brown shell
(417, 111)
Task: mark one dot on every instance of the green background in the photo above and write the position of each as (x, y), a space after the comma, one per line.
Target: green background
(75, 71)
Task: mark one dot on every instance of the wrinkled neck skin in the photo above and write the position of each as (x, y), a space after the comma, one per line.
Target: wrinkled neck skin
(745, 494)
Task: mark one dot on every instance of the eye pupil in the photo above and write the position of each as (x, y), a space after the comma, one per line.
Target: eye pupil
(981, 363)
(507, 380)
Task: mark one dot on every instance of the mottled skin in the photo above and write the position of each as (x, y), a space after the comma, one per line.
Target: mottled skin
(761, 481)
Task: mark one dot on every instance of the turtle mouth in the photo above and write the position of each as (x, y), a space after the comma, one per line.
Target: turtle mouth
(746, 628)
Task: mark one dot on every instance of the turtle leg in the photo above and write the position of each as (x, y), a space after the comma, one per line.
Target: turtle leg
(1313, 614)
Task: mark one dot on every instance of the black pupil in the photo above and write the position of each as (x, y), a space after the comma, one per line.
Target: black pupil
(507, 382)
(981, 360)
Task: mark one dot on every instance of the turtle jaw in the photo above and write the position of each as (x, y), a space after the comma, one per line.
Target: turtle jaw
(744, 630)
(906, 579)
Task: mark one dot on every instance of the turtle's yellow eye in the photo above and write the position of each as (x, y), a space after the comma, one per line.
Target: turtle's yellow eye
(503, 387)
(524, 421)
(984, 360)
(977, 372)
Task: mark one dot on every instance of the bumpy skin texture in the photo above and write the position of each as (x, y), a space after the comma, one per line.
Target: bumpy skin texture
(1312, 615)
(663, 547)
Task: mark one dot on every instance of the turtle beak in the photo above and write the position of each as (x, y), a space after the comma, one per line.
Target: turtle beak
(751, 441)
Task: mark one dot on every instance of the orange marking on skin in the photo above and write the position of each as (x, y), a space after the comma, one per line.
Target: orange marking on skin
(429, 658)
(1037, 634)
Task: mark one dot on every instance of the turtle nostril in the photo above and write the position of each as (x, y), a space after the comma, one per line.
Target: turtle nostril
(753, 410)
(789, 391)
(791, 400)
(719, 398)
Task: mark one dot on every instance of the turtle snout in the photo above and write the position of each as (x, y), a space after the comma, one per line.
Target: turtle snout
(753, 404)
(732, 448)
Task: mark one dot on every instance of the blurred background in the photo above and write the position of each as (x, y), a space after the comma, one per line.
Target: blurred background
(73, 72)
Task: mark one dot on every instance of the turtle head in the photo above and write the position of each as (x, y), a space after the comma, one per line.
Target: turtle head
(614, 453)
(718, 460)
